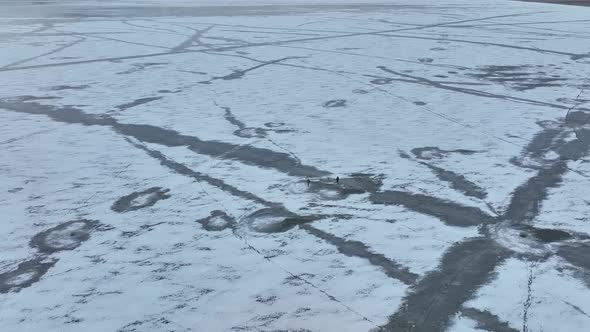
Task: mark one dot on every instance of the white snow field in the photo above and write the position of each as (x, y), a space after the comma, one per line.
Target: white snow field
(155, 159)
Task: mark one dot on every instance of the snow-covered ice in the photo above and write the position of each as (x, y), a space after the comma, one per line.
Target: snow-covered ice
(173, 167)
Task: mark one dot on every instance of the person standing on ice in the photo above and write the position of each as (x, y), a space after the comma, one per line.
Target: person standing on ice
(308, 182)
(337, 179)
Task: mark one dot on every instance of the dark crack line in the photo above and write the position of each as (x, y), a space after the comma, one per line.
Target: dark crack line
(194, 38)
(439, 295)
(228, 48)
(523, 48)
(228, 115)
(436, 25)
(153, 29)
(273, 32)
(230, 40)
(526, 201)
(428, 308)
(118, 40)
(466, 260)
(342, 74)
(12, 140)
(358, 249)
(237, 74)
(518, 23)
(284, 149)
(576, 308)
(307, 282)
(61, 34)
(434, 84)
(561, 33)
(448, 212)
(269, 29)
(426, 81)
(59, 49)
(457, 182)
(249, 155)
(183, 170)
(136, 102)
(528, 301)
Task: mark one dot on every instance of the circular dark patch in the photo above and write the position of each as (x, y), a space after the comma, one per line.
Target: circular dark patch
(274, 220)
(26, 274)
(433, 152)
(335, 103)
(140, 199)
(381, 81)
(217, 221)
(66, 236)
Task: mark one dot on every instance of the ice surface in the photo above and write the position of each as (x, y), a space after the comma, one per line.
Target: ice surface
(174, 167)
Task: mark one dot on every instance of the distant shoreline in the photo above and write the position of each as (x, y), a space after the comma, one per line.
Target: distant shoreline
(564, 2)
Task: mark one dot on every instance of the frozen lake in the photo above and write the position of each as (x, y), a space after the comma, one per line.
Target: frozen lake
(174, 168)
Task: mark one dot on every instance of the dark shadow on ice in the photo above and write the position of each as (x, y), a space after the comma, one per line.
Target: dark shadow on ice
(457, 182)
